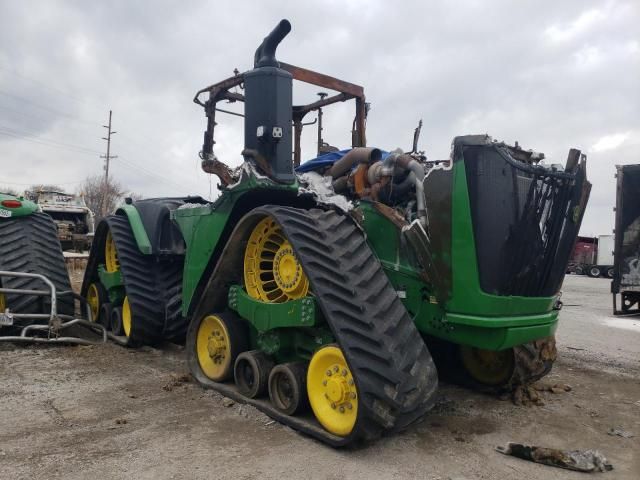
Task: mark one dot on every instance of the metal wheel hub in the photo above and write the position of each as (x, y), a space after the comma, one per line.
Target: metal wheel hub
(217, 346)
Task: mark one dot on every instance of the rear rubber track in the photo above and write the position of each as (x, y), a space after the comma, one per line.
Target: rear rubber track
(395, 375)
(152, 284)
(30, 244)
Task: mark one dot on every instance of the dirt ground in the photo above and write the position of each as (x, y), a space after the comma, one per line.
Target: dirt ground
(107, 412)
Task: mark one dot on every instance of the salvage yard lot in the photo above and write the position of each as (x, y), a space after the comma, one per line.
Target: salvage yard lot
(108, 412)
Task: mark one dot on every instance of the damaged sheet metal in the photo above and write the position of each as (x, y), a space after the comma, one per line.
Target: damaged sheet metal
(312, 183)
(578, 460)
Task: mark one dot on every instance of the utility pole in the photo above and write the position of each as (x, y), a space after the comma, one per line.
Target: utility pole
(107, 158)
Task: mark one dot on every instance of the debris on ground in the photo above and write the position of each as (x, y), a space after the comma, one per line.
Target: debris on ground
(620, 432)
(227, 402)
(177, 380)
(525, 395)
(121, 421)
(578, 460)
(553, 388)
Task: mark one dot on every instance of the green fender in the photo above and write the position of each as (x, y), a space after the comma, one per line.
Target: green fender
(139, 233)
(12, 207)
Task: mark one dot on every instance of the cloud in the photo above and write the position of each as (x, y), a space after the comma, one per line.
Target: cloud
(552, 76)
(609, 142)
(582, 24)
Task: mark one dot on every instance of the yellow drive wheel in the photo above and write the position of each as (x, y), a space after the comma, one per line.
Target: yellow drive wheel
(332, 391)
(126, 317)
(111, 262)
(488, 367)
(272, 272)
(214, 348)
(93, 299)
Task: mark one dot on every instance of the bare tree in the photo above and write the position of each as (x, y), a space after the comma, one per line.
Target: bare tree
(102, 198)
(46, 188)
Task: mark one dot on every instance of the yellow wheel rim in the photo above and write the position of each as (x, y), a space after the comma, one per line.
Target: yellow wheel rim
(111, 262)
(126, 317)
(332, 391)
(93, 299)
(487, 366)
(213, 348)
(272, 272)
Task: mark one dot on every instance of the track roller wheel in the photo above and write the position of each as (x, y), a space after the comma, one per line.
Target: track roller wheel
(97, 296)
(288, 387)
(332, 391)
(127, 317)
(105, 315)
(487, 367)
(220, 338)
(116, 321)
(251, 373)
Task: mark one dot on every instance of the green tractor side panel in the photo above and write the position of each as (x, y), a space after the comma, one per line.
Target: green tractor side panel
(201, 228)
(469, 316)
(139, 232)
(25, 208)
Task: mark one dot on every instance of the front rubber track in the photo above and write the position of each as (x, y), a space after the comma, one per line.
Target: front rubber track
(150, 282)
(395, 375)
(30, 245)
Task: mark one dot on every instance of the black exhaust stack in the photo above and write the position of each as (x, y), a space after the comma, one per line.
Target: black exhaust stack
(268, 104)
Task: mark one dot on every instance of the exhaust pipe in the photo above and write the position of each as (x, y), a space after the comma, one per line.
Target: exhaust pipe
(265, 55)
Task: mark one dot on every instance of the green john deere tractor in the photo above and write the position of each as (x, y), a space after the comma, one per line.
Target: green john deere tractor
(29, 245)
(315, 292)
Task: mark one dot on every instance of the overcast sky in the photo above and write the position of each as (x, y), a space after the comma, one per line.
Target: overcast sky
(552, 75)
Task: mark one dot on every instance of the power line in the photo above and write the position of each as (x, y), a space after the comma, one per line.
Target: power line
(43, 107)
(46, 142)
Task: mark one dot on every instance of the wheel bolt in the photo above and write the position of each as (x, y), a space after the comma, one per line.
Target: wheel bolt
(336, 368)
(351, 382)
(324, 382)
(353, 394)
(341, 409)
(344, 372)
(333, 405)
(329, 373)
(349, 406)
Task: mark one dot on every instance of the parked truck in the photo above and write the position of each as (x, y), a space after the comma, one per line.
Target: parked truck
(73, 219)
(592, 256)
(626, 271)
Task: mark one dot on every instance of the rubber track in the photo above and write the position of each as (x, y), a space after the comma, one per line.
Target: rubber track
(395, 375)
(30, 244)
(151, 284)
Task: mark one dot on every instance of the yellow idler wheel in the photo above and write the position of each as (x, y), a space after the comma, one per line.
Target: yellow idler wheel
(94, 300)
(332, 391)
(3, 303)
(126, 317)
(272, 272)
(111, 262)
(488, 367)
(220, 338)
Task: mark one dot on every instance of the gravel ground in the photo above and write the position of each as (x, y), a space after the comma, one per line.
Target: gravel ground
(108, 412)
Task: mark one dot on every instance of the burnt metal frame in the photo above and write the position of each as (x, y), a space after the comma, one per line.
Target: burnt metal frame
(347, 91)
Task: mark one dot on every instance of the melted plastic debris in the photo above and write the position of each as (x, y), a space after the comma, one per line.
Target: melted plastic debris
(578, 460)
(191, 205)
(320, 187)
